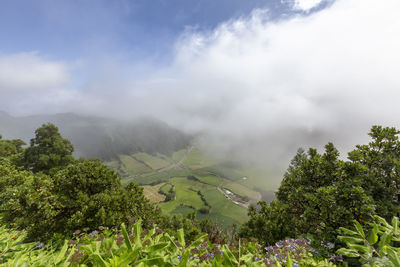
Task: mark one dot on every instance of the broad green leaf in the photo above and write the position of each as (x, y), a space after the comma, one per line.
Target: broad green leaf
(361, 248)
(393, 256)
(229, 258)
(359, 228)
(348, 252)
(181, 237)
(348, 231)
(157, 247)
(395, 223)
(137, 227)
(373, 236)
(198, 241)
(350, 239)
(184, 259)
(172, 243)
(289, 262)
(62, 252)
(126, 238)
(99, 260)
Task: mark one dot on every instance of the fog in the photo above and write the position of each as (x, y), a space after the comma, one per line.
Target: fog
(253, 88)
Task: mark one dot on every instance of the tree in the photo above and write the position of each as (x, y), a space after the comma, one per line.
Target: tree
(84, 194)
(379, 168)
(319, 194)
(48, 150)
(10, 148)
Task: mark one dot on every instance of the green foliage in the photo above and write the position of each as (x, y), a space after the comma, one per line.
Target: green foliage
(320, 192)
(137, 247)
(48, 150)
(269, 223)
(10, 148)
(84, 194)
(379, 163)
(378, 247)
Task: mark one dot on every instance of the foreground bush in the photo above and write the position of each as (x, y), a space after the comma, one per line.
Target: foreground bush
(83, 194)
(138, 247)
(376, 248)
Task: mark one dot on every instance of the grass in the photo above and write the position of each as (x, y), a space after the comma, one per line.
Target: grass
(132, 166)
(182, 209)
(209, 179)
(151, 192)
(164, 176)
(176, 156)
(241, 190)
(154, 162)
(165, 188)
(186, 192)
(222, 210)
(223, 171)
(197, 159)
(220, 205)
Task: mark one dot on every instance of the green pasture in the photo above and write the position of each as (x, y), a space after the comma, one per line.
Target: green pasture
(154, 162)
(176, 156)
(197, 159)
(165, 188)
(220, 205)
(209, 179)
(242, 191)
(132, 166)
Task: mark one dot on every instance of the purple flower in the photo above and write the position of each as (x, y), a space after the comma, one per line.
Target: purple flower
(39, 245)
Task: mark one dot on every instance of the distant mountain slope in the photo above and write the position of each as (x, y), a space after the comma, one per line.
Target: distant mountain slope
(101, 137)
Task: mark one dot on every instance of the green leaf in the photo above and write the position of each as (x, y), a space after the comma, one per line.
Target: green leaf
(172, 243)
(348, 231)
(184, 259)
(384, 241)
(350, 239)
(126, 238)
(289, 262)
(198, 241)
(373, 235)
(361, 248)
(348, 252)
(137, 227)
(359, 228)
(157, 247)
(229, 258)
(393, 256)
(181, 237)
(99, 260)
(395, 223)
(62, 252)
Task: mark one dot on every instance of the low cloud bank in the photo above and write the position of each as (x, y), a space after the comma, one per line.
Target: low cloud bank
(258, 89)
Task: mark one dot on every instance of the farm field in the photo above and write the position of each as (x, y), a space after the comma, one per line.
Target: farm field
(153, 161)
(151, 192)
(196, 183)
(131, 165)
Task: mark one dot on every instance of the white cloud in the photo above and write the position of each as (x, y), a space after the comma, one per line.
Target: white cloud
(305, 5)
(334, 71)
(30, 83)
(28, 71)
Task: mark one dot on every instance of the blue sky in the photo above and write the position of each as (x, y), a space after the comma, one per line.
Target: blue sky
(70, 29)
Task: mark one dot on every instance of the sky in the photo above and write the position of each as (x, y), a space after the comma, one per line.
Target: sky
(270, 75)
